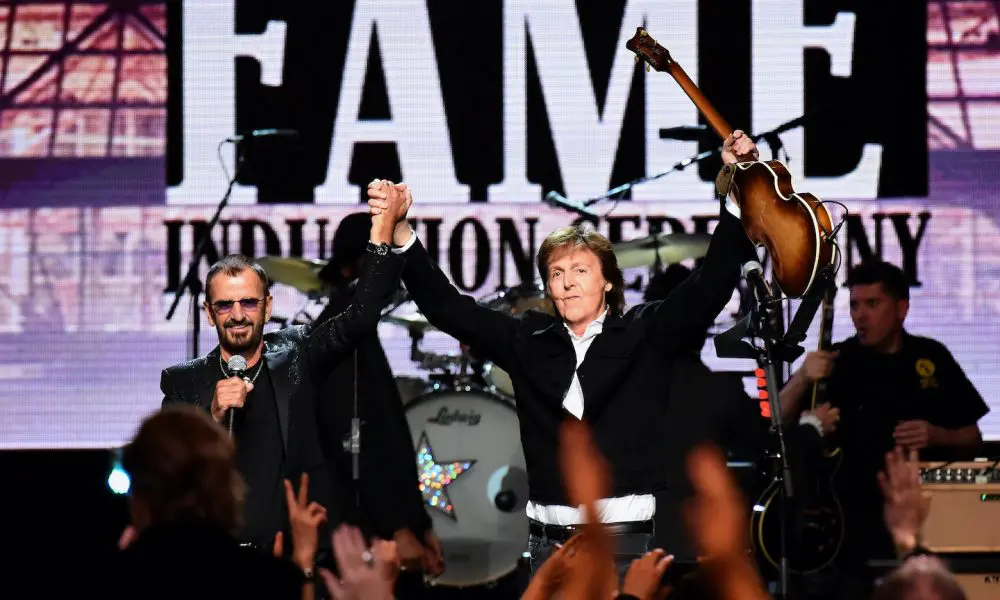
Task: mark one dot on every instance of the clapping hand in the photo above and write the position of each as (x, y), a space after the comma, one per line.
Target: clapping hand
(366, 573)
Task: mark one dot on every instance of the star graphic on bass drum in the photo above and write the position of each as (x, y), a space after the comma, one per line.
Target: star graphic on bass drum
(435, 477)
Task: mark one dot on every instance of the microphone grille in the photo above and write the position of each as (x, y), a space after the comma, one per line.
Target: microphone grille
(237, 363)
(750, 266)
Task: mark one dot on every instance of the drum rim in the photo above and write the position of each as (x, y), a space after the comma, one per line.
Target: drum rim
(467, 388)
(437, 583)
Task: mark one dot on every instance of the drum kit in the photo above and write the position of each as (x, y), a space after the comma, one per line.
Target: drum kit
(464, 423)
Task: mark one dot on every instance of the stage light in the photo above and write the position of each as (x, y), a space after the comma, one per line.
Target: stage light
(118, 479)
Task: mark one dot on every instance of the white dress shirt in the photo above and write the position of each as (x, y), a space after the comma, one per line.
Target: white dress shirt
(634, 507)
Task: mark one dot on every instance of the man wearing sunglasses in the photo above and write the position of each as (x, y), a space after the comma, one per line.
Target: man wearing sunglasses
(275, 402)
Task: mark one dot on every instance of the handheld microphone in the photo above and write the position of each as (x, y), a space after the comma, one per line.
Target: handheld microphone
(557, 200)
(753, 272)
(237, 366)
(256, 133)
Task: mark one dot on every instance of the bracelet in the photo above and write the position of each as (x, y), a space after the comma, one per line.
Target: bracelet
(378, 249)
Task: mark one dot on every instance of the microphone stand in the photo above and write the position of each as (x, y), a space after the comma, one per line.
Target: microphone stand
(697, 158)
(778, 347)
(192, 282)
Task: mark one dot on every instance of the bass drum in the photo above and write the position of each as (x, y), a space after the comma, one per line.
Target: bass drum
(473, 480)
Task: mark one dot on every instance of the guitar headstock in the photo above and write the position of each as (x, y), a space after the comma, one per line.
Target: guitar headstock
(648, 50)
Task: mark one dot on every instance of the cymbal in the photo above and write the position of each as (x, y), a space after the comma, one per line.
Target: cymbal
(299, 273)
(414, 321)
(672, 248)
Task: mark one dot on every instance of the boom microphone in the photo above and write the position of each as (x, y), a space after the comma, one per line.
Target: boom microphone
(256, 133)
(237, 366)
(557, 200)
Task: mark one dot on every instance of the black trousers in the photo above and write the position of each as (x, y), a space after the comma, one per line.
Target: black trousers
(630, 541)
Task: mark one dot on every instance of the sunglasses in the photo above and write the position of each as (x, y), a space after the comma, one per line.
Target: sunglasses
(223, 307)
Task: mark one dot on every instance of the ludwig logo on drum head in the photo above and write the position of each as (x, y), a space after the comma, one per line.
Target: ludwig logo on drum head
(446, 417)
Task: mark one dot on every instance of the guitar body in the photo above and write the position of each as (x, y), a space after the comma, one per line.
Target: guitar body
(798, 251)
(815, 529)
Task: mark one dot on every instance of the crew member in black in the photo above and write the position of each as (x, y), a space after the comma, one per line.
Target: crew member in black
(892, 388)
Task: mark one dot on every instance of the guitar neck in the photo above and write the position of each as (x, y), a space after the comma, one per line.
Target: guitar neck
(715, 120)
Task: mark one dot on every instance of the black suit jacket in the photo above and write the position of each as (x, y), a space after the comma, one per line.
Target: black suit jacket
(297, 359)
(623, 377)
(387, 490)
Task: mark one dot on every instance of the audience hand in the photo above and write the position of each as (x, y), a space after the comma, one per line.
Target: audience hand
(906, 505)
(127, 537)
(433, 554)
(364, 572)
(278, 547)
(719, 526)
(410, 550)
(645, 574)
(304, 518)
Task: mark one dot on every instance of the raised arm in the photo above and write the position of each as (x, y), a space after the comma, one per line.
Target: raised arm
(335, 337)
(489, 332)
(694, 304)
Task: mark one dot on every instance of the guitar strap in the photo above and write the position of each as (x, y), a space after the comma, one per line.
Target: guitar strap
(724, 181)
(809, 305)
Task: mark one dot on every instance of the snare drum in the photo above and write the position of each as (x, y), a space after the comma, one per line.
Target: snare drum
(473, 480)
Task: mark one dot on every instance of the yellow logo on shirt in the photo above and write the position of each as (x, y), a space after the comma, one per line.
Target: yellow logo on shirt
(925, 368)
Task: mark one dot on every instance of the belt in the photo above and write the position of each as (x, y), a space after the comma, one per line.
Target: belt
(561, 533)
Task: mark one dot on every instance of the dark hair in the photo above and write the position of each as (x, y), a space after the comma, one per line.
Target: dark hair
(660, 286)
(350, 242)
(584, 236)
(908, 577)
(181, 465)
(233, 265)
(892, 278)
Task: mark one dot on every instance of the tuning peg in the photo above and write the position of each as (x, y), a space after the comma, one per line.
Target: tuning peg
(642, 33)
(647, 67)
(636, 58)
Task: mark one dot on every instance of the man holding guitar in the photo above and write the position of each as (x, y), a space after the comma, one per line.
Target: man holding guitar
(891, 388)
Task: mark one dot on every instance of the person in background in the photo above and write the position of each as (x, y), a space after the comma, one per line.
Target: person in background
(892, 388)
(185, 502)
(389, 503)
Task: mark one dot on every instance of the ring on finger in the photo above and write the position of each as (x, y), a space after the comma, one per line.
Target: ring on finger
(368, 558)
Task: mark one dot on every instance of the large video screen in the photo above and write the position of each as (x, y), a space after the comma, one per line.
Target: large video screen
(114, 120)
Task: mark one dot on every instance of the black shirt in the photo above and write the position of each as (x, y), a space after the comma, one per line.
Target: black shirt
(260, 459)
(875, 392)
